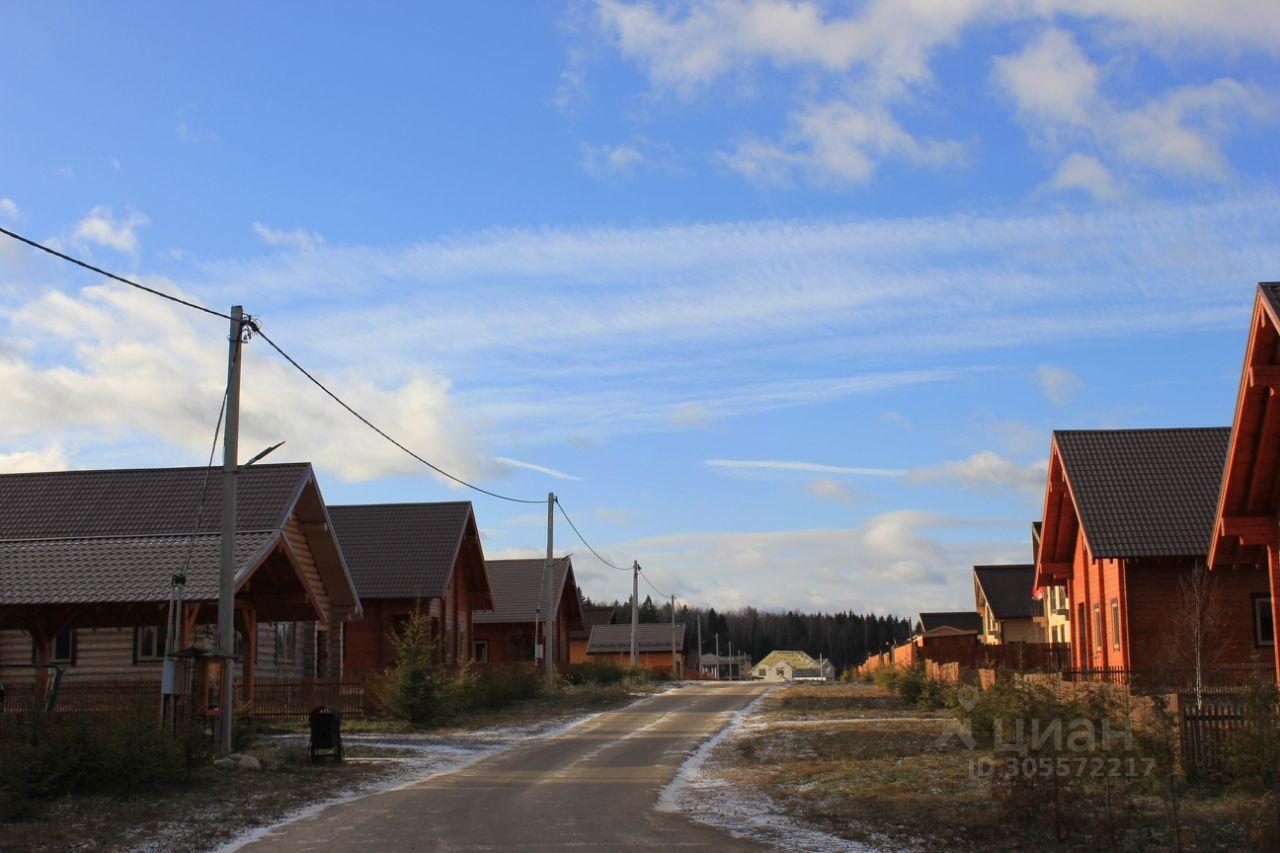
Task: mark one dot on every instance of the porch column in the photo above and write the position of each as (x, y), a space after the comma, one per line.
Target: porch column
(331, 639)
(249, 627)
(1273, 573)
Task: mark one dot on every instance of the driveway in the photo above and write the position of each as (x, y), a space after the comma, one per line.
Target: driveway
(593, 786)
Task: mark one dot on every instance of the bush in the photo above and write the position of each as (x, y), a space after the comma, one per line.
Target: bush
(415, 688)
(124, 753)
(607, 672)
(491, 687)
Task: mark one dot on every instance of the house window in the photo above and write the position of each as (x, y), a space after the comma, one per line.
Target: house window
(286, 641)
(1115, 623)
(1097, 627)
(481, 651)
(1264, 629)
(148, 643)
(63, 648)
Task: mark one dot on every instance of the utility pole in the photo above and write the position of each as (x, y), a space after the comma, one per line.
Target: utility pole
(548, 653)
(635, 611)
(675, 671)
(732, 676)
(717, 657)
(700, 673)
(226, 575)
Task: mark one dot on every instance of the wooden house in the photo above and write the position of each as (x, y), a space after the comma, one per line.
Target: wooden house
(508, 632)
(1127, 516)
(407, 556)
(792, 666)
(591, 617)
(654, 642)
(1004, 600)
(87, 558)
(1244, 549)
(1054, 603)
(932, 627)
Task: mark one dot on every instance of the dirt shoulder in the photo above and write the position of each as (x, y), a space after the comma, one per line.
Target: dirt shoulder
(216, 806)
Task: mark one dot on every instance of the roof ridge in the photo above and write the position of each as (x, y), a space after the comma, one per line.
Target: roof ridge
(1141, 429)
(162, 469)
(102, 536)
(399, 503)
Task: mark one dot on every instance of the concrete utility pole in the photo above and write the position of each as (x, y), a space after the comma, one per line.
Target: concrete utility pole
(227, 573)
(717, 657)
(675, 671)
(635, 611)
(700, 673)
(732, 676)
(548, 648)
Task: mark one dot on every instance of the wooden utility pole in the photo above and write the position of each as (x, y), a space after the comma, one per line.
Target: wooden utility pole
(675, 670)
(548, 647)
(227, 568)
(635, 611)
(717, 657)
(700, 673)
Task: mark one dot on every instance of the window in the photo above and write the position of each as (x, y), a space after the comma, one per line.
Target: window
(1080, 626)
(482, 651)
(148, 643)
(63, 651)
(1097, 627)
(1115, 623)
(286, 645)
(1264, 629)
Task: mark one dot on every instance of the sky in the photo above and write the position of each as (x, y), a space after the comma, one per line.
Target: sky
(782, 299)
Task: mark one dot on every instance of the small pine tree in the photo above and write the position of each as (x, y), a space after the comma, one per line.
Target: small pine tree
(414, 689)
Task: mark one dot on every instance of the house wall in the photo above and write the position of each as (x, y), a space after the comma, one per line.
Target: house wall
(1057, 614)
(364, 643)
(1021, 631)
(658, 661)
(508, 640)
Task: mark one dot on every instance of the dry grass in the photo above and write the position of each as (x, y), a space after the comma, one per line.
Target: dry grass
(862, 766)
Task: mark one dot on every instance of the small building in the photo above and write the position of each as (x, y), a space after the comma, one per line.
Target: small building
(1004, 600)
(405, 557)
(87, 558)
(508, 633)
(793, 666)
(591, 617)
(934, 626)
(1054, 603)
(724, 666)
(655, 643)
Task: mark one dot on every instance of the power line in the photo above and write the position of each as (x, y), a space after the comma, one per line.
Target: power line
(378, 429)
(584, 541)
(651, 586)
(111, 275)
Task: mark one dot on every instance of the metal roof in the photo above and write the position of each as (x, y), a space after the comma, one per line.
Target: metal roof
(650, 637)
(401, 550)
(962, 620)
(1145, 492)
(1008, 590)
(518, 588)
(794, 659)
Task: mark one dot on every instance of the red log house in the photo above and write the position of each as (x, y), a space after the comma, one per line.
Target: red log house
(508, 632)
(409, 555)
(1245, 529)
(1127, 514)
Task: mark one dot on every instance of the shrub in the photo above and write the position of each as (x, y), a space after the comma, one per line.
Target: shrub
(607, 672)
(491, 687)
(415, 688)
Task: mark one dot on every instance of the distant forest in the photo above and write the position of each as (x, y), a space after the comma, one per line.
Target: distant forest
(844, 638)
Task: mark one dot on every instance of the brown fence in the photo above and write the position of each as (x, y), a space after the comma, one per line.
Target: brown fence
(1205, 733)
(282, 698)
(1218, 679)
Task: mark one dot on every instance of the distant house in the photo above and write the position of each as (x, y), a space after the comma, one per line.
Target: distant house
(1004, 600)
(947, 623)
(733, 666)
(86, 560)
(591, 617)
(654, 643)
(793, 666)
(1128, 515)
(1054, 602)
(506, 634)
(406, 556)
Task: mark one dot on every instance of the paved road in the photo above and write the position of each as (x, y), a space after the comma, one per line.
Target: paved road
(592, 787)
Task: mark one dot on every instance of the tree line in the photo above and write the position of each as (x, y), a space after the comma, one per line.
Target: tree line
(845, 638)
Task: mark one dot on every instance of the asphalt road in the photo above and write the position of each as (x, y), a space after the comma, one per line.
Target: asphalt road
(593, 787)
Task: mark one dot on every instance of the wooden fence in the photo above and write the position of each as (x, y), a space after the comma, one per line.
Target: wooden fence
(1218, 679)
(285, 698)
(1205, 733)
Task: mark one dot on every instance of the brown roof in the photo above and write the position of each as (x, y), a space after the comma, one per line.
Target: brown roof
(117, 536)
(1008, 590)
(650, 637)
(591, 617)
(962, 620)
(401, 550)
(1145, 492)
(518, 588)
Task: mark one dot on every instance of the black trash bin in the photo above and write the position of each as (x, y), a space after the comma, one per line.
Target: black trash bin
(326, 732)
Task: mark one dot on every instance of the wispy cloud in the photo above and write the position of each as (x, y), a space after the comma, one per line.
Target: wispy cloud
(529, 466)
(101, 227)
(1058, 384)
(986, 471)
(806, 467)
(294, 238)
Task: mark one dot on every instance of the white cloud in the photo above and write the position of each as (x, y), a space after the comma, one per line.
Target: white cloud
(295, 238)
(103, 228)
(49, 458)
(694, 415)
(614, 515)
(603, 160)
(827, 489)
(1233, 25)
(8, 209)
(808, 467)
(529, 466)
(1056, 91)
(986, 471)
(1059, 385)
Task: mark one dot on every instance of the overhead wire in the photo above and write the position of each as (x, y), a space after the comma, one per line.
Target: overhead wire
(583, 540)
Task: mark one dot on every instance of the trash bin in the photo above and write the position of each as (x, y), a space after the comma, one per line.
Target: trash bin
(326, 732)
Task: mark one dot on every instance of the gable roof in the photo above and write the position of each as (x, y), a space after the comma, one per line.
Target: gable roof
(959, 620)
(518, 588)
(1144, 492)
(405, 550)
(1007, 590)
(599, 614)
(650, 637)
(794, 659)
(117, 536)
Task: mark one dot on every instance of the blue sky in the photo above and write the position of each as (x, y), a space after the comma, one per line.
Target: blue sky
(785, 298)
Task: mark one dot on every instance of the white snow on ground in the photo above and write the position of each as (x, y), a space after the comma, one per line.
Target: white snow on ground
(429, 756)
(838, 721)
(702, 791)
